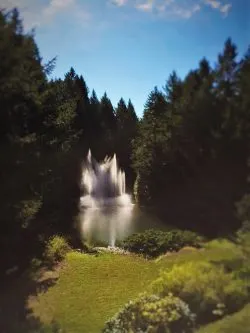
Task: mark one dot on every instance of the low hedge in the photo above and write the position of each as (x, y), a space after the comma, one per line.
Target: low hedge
(153, 243)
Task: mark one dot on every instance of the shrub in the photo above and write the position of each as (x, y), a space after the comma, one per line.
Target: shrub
(151, 314)
(243, 241)
(233, 258)
(28, 209)
(56, 249)
(243, 208)
(243, 238)
(245, 228)
(209, 290)
(153, 243)
(239, 322)
(222, 244)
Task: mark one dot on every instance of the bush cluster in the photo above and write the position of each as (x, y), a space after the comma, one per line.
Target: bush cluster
(153, 243)
(243, 238)
(207, 289)
(184, 297)
(152, 314)
(56, 249)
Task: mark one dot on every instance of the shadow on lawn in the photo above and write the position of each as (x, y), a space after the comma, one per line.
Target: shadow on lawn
(15, 314)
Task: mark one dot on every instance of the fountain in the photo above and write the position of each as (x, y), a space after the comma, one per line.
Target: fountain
(106, 210)
(103, 183)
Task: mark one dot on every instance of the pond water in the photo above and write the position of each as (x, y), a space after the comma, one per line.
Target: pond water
(108, 224)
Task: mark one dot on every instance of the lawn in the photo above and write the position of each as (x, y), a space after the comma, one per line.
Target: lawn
(91, 289)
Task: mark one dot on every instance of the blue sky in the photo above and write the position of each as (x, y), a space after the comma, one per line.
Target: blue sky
(126, 47)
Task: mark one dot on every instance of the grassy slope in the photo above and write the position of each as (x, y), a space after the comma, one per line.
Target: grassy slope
(237, 323)
(92, 289)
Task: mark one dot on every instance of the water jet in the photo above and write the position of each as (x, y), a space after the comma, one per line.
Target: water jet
(104, 183)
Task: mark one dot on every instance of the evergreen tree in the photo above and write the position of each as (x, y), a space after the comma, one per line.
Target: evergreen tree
(83, 114)
(199, 116)
(22, 78)
(107, 113)
(96, 135)
(173, 89)
(108, 123)
(126, 132)
(242, 100)
(95, 114)
(225, 89)
(121, 114)
(150, 146)
(131, 111)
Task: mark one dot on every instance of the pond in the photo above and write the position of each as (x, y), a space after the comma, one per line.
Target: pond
(108, 224)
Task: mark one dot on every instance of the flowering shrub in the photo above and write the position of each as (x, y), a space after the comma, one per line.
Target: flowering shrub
(151, 314)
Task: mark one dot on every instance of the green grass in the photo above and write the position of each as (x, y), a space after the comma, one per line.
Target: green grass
(92, 289)
(236, 323)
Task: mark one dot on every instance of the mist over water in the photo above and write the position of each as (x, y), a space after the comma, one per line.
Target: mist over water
(107, 213)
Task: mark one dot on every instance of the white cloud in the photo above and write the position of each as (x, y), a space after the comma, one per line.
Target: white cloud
(185, 12)
(226, 8)
(213, 3)
(168, 8)
(30, 11)
(71, 7)
(37, 13)
(56, 6)
(119, 3)
(9, 4)
(218, 5)
(163, 6)
(146, 6)
(175, 8)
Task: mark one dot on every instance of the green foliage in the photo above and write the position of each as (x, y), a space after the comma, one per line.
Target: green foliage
(35, 264)
(197, 119)
(81, 303)
(220, 244)
(106, 282)
(154, 242)
(243, 241)
(56, 249)
(126, 130)
(236, 323)
(150, 145)
(207, 289)
(243, 237)
(151, 314)
(28, 210)
(243, 208)
(233, 263)
(22, 78)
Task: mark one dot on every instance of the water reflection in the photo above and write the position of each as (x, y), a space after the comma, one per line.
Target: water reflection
(108, 224)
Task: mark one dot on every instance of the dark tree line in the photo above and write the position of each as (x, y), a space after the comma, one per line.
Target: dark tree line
(204, 117)
(56, 111)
